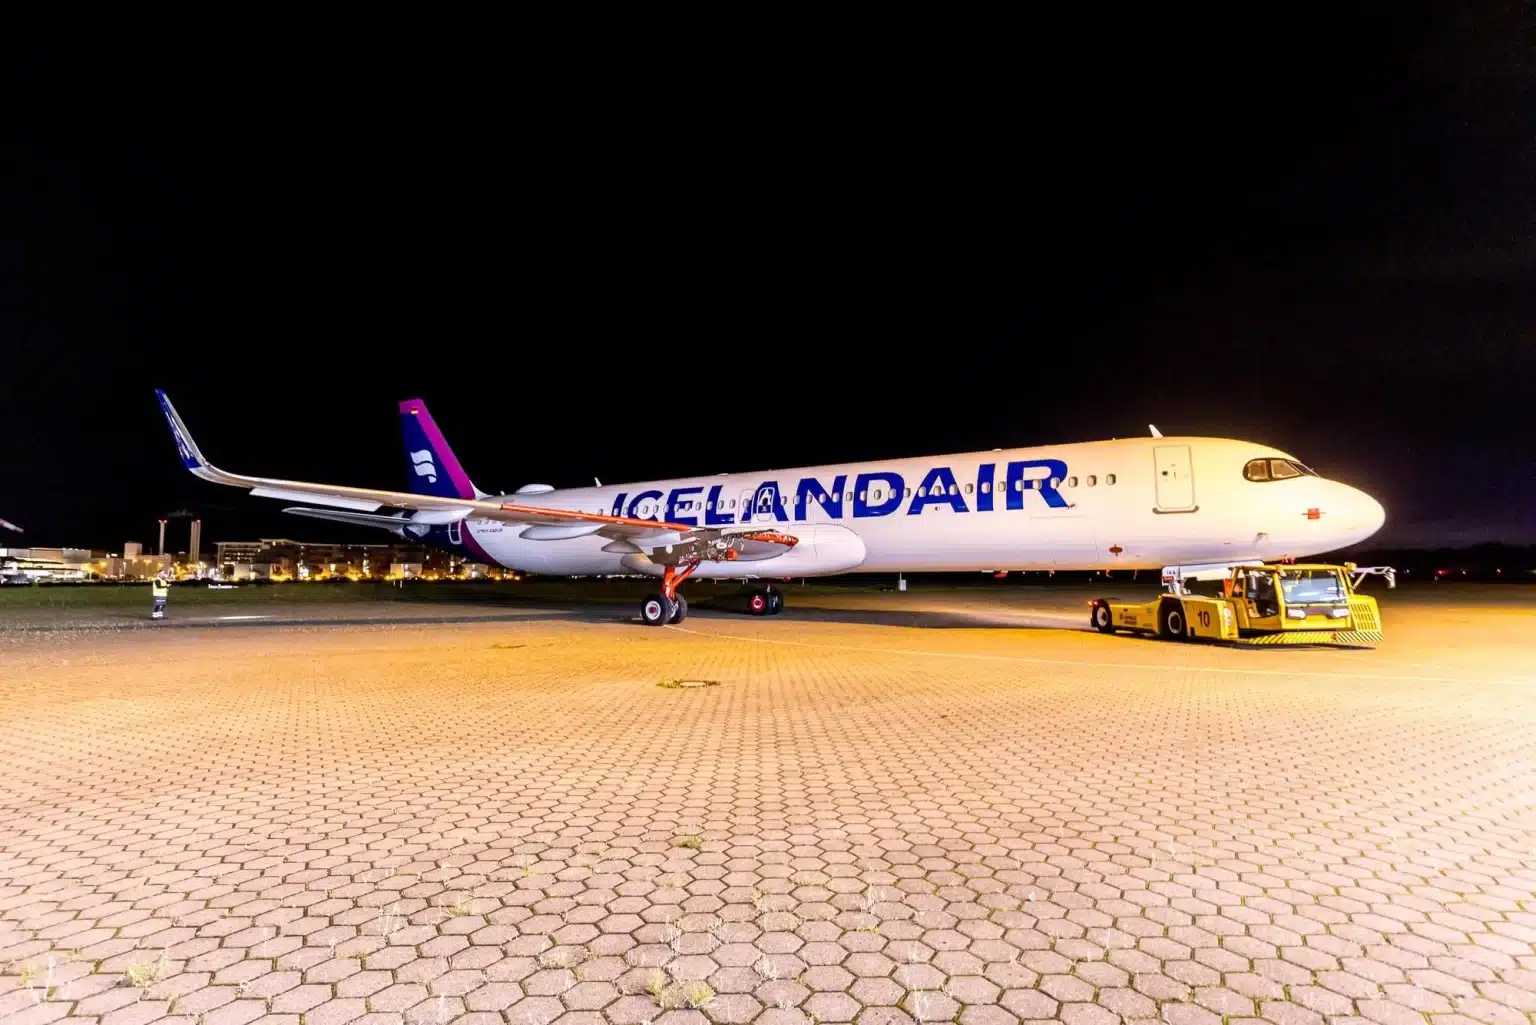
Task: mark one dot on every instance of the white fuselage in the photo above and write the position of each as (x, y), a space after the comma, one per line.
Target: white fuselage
(1137, 503)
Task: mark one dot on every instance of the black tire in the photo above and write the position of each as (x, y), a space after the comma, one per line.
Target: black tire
(655, 610)
(757, 603)
(1171, 623)
(679, 610)
(775, 601)
(1101, 618)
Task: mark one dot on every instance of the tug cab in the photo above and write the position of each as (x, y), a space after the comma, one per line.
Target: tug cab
(1263, 603)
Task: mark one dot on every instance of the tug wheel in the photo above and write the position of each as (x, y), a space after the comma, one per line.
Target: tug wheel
(1102, 619)
(1170, 619)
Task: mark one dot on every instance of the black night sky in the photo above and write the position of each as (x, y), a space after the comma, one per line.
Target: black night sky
(660, 247)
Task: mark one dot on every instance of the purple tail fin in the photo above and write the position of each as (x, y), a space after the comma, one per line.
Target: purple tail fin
(430, 464)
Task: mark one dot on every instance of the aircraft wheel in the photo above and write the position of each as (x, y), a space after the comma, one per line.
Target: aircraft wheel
(655, 610)
(1171, 620)
(680, 610)
(775, 602)
(757, 603)
(1102, 619)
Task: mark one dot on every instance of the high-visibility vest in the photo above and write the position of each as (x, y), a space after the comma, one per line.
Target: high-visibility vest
(160, 588)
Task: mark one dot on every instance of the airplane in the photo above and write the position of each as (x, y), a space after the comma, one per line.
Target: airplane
(1128, 503)
(8, 525)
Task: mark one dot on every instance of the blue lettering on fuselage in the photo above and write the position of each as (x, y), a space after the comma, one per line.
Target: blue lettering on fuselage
(1019, 482)
(634, 504)
(863, 492)
(938, 488)
(831, 499)
(839, 501)
(713, 515)
(672, 516)
(986, 480)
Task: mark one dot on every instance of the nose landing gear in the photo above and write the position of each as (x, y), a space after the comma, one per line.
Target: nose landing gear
(668, 606)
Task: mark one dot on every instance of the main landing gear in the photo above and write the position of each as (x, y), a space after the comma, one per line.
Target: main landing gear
(668, 606)
(765, 601)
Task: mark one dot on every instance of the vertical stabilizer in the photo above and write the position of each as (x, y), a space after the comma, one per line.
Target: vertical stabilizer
(430, 465)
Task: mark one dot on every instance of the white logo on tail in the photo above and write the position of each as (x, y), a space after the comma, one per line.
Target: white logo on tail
(424, 466)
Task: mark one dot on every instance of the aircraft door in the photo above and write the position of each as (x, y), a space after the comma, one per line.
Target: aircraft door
(1175, 479)
(763, 512)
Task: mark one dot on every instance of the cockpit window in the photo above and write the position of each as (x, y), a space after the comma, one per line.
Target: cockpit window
(1280, 469)
(1276, 469)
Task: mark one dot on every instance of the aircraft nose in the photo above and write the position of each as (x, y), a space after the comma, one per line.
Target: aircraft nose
(1366, 515)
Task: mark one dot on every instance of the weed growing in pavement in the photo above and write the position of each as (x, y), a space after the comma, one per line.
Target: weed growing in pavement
(698, 995)
(144, 974)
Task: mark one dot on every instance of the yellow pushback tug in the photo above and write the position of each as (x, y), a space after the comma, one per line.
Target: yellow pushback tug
(1260, 603)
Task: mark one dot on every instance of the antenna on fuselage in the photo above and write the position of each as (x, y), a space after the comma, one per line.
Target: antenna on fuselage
(1155, 432)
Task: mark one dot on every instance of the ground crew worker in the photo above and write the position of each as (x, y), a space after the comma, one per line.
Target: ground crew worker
(160, 587)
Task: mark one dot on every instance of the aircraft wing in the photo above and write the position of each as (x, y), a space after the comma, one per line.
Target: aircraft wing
(8, 525)
(426, 510)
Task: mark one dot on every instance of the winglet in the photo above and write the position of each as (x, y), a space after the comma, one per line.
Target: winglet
(191, 458)
(1155, 432)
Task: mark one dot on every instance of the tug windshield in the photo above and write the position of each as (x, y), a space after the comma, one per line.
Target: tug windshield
(1307, 586)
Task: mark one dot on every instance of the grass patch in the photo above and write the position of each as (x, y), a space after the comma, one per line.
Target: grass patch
(144, 974)
(697, 995)
(680, 684)
(693, 843)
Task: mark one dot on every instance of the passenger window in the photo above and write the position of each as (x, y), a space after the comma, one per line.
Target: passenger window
(861, 496)
(907, 493)
(954, 489)
(1109, 478)
(986, 487)
(969, 488)
(1071, 482)
(1055, 483)
(837, 496)
(922, 492)
(1092, 480)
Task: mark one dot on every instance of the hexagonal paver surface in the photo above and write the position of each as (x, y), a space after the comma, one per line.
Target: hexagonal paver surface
(498, 816)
